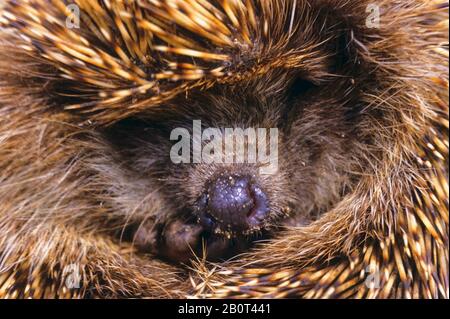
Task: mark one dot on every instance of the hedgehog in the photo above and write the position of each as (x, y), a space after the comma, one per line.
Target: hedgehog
(91, 205)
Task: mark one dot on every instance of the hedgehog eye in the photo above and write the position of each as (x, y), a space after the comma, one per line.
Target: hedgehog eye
(299, 87)
(296, 94)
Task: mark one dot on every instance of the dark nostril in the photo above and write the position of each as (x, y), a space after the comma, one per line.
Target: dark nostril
(236, 202)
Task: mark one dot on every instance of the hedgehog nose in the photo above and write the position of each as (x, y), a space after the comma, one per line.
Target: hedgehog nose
(236, 203)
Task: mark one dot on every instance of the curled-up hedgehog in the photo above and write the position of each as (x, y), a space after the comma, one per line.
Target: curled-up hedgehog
(93, 205)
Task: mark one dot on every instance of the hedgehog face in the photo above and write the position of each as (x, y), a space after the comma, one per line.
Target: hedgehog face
(226, 206)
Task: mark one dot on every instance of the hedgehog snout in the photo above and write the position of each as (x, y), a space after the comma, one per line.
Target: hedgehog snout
(233, 204)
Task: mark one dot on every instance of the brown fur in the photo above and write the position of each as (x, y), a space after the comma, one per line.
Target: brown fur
(363, 154)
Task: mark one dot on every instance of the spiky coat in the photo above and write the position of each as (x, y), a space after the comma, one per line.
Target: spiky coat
(57, 83)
